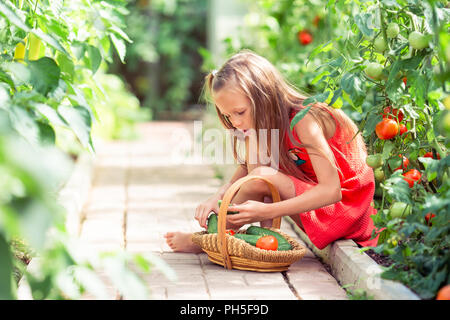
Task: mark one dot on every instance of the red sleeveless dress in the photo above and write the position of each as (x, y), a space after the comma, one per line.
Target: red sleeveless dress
(350, 217)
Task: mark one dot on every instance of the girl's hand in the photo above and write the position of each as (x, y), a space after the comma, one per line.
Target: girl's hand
(249, 211)
(203, 210)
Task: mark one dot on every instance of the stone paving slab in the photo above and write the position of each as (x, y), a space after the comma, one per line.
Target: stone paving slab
(137, 196)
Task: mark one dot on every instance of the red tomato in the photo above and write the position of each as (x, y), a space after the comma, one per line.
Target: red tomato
(412, 176)
(230, 232)
(304, 37)
(403, 128)
(404, 164)
(386, 129)
(391, 113)
(267, 243)
(428, 217)
(430, 155)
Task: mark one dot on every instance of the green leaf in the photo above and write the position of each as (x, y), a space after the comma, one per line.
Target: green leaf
(372, 120)
(44, 75)
(352, 85)
(91, 282)
(120, 47)
(19, 73)
(336, 95)
(126, 281)
(35, 220)
(364, 23)
(398, 188)
(387, 149)
(299, 116)
(320, 77)
(79, 49)
(323, 48)
(46, 134)
(121, 33)
(419, 89)
(24, 124)
(66, 66)
(95, 58)
(79, 120)
(6, 78)
(50, 114)
(7, 289)
(12, 17)
(49, 40)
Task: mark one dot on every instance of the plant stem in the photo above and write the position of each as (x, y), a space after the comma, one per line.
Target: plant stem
(383, 24)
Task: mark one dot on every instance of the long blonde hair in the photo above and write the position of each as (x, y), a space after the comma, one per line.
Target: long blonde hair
(272, 99)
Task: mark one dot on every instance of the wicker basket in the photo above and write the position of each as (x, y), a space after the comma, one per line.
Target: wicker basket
(231, 252)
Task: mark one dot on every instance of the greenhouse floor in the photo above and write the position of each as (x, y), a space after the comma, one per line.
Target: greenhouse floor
(140, 191)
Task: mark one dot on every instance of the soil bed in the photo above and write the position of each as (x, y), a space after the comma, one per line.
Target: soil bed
(382, 260)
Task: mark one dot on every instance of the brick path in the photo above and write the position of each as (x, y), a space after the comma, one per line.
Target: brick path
(138, 194)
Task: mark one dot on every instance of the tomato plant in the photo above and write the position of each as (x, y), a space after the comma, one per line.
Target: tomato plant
(391, 113)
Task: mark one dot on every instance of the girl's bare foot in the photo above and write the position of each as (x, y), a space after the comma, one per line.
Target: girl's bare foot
(181, 242)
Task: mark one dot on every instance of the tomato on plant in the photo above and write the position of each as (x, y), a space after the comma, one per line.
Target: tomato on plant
(391, 113)
(379, 44)
(429, 154)
(374, 70)
(392, 30)
(402, 128)
(267, 243)
(400, 209)
(386, 129)
(304, 37)
(374, 160)
(412, 176)
(405, 163)
(417, 40)
(428, 218)
(379, 174)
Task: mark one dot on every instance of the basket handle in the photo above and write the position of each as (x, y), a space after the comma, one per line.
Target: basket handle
(222, 216)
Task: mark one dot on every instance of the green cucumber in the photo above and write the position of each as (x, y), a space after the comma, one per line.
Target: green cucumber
(219, 202)
(283, 244)
(249, 238)
(212, 223)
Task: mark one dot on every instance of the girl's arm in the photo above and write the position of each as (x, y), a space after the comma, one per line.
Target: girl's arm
(203, 210)
(328, 189)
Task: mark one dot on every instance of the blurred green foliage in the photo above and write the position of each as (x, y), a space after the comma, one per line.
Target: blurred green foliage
(51, 82)
(163, 62)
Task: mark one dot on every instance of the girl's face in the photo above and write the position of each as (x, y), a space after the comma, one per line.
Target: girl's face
(235, 106)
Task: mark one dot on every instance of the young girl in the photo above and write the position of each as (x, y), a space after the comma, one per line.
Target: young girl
(324, 182)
